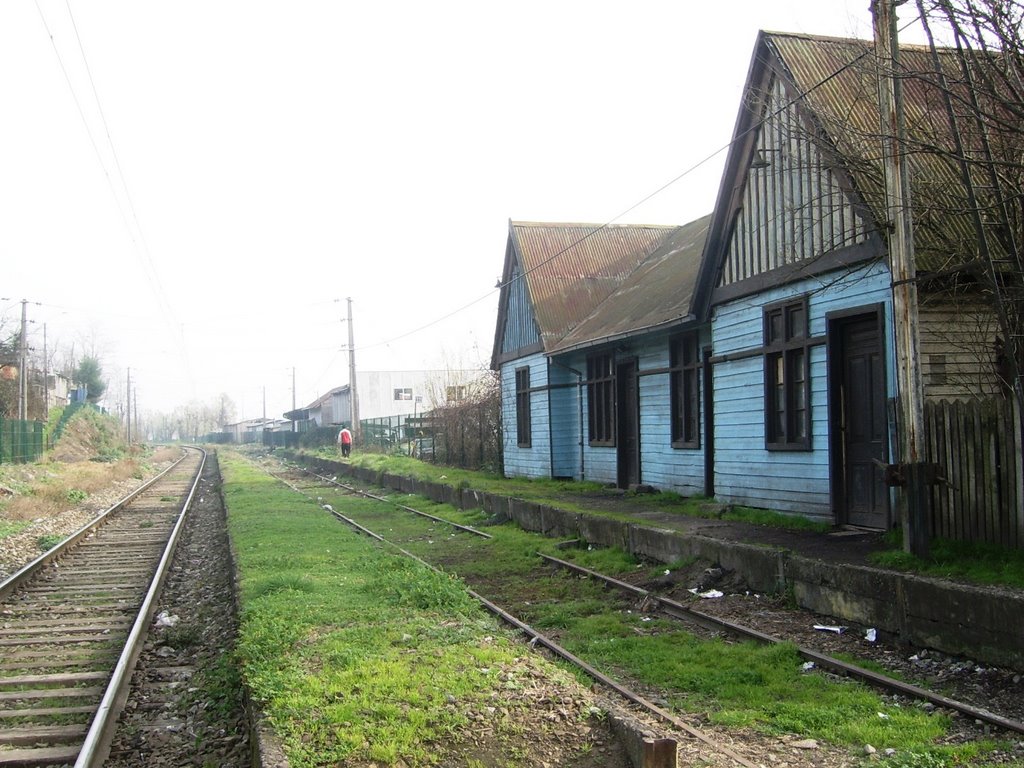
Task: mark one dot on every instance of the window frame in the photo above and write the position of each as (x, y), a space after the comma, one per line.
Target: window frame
(787, 353)
(601, 400)
(524, 421)
(685, 366)
(399, 394)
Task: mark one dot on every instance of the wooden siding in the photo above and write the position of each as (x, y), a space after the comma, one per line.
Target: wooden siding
(600, 463)
(977, 445)
(662, 466)
(958, 348)
(794, 208)
(520, 327)
(565, 423)
(534, 461)
(666, 468)
(745, 472)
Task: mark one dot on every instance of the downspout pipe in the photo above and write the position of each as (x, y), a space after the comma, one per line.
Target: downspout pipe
(579, 400)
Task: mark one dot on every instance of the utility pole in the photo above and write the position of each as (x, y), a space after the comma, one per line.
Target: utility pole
(128, 406)
(915, 491)
(295, 425)
(23, 383)
(353, 396)
(46, 379)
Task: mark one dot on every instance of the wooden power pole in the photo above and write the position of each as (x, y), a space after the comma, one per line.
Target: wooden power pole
(914, 485)
(353, 396)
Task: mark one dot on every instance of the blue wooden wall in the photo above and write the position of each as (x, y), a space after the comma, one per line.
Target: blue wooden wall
(746, 473)
(565, 421)
(534, 461)
(520, 328)
(666, 468)
(661, 465)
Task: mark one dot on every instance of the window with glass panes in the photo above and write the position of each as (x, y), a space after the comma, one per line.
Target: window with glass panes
(684, 373)
(524, 436)
(601, 399)
(787, 380)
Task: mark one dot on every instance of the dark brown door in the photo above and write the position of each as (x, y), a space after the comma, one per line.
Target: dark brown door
(864, 428)
(708, 401)
(627, 414)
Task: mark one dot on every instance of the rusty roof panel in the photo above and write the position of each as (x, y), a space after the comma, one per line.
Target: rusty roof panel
(658, 293)
(571, 268)
(838, 80)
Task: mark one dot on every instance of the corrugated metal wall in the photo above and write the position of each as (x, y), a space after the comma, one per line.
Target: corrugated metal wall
(520, 329)
(793, 205)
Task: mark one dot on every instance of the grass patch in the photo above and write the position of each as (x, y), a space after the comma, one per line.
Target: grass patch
(75, 495)
(573, 496)
(979, 563)
(181, 635)
(48, 541)
(49, 488)
(743, 685)
(357, 654)
(775, 519)
(11, 527)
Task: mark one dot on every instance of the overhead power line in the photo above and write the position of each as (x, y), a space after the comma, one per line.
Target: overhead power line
(136, 234)
(691, 169)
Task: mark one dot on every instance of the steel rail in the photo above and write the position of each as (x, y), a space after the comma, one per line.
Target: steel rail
(538, 638)
(97, 741)
(681, 611)
(9, 584)
(435, 518)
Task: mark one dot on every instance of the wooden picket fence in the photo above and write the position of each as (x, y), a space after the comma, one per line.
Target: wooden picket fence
(977, 445)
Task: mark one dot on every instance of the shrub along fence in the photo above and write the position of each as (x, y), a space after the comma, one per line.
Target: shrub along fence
(460, 434)
(977, 446)
(20, 440)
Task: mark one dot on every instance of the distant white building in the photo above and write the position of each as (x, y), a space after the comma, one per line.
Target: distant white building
(386, 393)
(247, 430)
(54, 389)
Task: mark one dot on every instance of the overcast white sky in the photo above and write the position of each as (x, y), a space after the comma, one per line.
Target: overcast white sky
(280, 156)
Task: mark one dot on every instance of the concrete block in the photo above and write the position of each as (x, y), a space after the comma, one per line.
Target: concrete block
(603, 531)
(526, 515)
(865, 595)
(656, 544)
(644, 749)
(558, 523)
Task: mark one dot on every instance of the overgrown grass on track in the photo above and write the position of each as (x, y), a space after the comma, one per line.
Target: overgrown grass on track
(734, 684)
(355, 653)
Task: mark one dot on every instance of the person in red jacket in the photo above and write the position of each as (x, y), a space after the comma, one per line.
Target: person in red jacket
(345, 440)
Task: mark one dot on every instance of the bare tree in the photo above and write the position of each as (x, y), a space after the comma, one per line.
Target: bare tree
(979, 83)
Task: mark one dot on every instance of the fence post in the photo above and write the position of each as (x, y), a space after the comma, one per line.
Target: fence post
(1017, 505)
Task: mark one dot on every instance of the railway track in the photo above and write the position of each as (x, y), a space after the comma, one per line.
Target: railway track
(695, 617)
(661, 752)
(72, 623)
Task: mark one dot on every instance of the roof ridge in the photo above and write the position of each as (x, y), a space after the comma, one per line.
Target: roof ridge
(595, 227)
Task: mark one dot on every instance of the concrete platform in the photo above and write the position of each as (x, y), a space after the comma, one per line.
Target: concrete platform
(824, 572)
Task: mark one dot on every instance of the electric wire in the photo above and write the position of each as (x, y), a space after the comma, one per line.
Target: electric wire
(691, 169)
(148, 263)
(136, 235)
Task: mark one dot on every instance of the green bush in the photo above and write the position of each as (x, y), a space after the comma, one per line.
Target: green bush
(48, 541)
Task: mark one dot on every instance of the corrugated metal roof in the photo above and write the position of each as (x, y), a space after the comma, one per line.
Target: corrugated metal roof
(839, 80)
(658, 293)
(570, 269)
